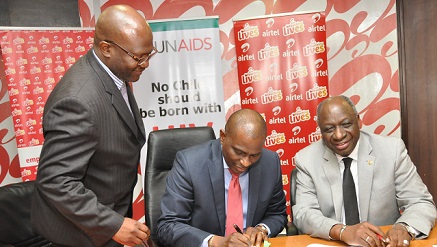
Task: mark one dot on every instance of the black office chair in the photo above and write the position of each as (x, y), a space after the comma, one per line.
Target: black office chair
(291, 229)
(15, 227)
(162, 146)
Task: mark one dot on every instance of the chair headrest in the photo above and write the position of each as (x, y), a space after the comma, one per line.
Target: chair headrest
(164, 144)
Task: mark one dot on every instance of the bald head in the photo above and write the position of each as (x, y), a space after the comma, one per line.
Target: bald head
(122, 24)
(248, 122)
(340, 99)
(243, 139)
(123, 38)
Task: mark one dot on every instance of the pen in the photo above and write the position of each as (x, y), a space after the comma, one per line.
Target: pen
(238, 229)
(380, 238)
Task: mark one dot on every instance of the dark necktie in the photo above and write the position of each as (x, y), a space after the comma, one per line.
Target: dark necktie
(235, 205)
(349, 194)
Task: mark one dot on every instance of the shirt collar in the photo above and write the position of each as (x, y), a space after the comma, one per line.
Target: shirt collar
(353, 155)
(226, 167)
(118, 82)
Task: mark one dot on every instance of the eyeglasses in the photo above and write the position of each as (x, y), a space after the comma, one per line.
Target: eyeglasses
(140, 60)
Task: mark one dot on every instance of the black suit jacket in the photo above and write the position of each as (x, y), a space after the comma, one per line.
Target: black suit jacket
(89, 161)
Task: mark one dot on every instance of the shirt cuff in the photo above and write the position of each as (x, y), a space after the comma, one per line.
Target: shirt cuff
(205, 241)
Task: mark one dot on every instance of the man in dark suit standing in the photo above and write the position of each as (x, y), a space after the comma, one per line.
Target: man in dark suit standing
(195, 207)
(93, 136)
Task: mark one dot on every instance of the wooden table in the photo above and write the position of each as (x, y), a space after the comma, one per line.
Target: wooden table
(305, 240)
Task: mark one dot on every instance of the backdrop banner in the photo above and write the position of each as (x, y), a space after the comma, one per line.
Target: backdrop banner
(34, 61)
(181, 88)
(183, 85)
(283, 74)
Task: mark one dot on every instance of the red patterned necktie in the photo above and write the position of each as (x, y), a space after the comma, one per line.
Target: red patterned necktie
(235, 205)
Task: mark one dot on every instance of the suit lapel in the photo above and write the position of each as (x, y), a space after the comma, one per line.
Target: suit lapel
(122, 109)
(365, 166)
(141, 136)
(254, 187)
(366, 163)
(332, 171)
(216, 174)
(117, 99)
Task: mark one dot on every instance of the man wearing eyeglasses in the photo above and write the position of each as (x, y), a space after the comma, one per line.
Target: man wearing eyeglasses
(93, 136)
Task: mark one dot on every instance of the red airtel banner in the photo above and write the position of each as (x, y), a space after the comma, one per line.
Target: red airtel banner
(283, 74)
(34, 61)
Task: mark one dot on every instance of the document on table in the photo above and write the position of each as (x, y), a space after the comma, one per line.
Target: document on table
(266, 243)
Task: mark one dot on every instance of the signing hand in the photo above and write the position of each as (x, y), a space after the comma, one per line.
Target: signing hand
(364, 234)
(132, 233)
(233, 240)
(398, 236)
(256, 236)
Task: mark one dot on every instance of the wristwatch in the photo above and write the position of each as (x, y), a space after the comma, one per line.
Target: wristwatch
(410, 229)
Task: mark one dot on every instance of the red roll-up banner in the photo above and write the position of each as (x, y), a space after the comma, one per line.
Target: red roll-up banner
(283, 74)
(34, 61)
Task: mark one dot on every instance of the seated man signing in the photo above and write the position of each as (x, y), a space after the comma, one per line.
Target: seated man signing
(351, 182)
(231, 180)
